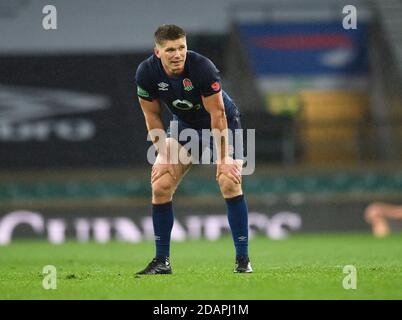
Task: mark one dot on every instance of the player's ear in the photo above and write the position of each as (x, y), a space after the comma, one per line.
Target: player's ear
(157, 51)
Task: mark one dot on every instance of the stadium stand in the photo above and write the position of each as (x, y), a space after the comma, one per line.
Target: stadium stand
(327, 182)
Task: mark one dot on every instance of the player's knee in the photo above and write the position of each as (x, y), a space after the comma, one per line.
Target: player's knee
(228, 187)
(162, 187)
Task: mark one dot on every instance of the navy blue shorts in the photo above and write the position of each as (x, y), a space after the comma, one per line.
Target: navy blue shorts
(205, 141)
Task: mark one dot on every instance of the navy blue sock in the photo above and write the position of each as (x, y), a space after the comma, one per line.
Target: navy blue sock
(238, 220)
(162, 218)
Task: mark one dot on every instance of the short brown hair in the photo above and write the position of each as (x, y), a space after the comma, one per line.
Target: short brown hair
(168, 32)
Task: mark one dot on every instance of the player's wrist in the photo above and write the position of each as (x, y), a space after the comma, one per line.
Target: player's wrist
(225, 160)
(163, 156)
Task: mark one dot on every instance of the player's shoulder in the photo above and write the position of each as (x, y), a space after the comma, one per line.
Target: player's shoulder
(197, 58)
(148, 65)
(200, 63)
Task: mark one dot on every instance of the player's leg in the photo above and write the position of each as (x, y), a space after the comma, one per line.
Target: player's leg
(165, 186)
(162, 209)
(238, 218)
(236, 205)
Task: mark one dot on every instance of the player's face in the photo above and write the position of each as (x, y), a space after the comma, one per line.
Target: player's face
(173, 55)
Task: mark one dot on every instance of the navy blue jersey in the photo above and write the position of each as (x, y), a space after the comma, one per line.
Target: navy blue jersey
(182, 94)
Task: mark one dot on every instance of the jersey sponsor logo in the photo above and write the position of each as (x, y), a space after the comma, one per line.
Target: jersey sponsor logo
(182, 104)
(142, 93)
(163, 86)
(188, 85)
(216, 86)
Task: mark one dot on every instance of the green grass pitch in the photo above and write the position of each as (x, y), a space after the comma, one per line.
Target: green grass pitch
(300, 267)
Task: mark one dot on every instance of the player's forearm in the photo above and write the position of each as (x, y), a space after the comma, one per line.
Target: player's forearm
(155, 128)
(219, 129)
(215, 106)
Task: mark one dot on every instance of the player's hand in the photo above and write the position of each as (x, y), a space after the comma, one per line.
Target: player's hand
(229, 168)
(158, 170)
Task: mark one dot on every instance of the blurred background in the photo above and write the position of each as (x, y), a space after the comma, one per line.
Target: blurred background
(325, 101)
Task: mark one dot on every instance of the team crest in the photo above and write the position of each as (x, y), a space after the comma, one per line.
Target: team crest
(187, 84)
